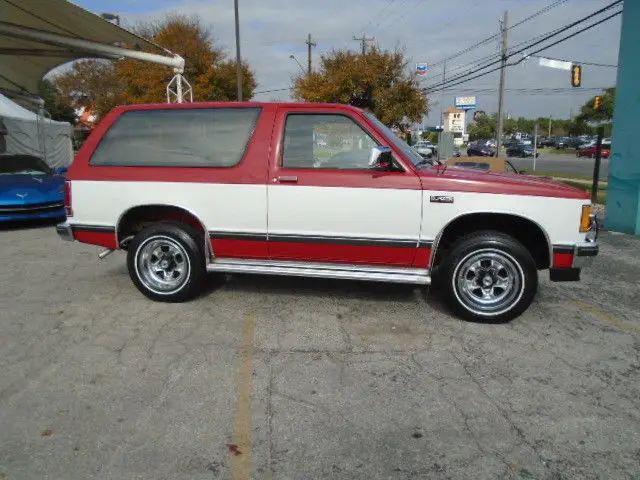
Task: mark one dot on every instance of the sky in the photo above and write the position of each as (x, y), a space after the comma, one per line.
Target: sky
(427, 30)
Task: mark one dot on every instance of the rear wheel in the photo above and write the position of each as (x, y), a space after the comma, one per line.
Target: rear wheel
(489, 277)
(166, 262)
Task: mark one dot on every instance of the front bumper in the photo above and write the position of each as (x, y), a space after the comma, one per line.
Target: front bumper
(584, 253)
(65, 231)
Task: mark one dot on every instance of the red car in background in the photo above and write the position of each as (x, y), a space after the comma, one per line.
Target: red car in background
(591, 152)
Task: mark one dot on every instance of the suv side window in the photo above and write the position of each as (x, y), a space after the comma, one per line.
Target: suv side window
(325, 141)
(192, 137)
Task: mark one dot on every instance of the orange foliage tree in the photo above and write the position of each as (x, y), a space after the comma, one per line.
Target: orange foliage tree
(377, 80)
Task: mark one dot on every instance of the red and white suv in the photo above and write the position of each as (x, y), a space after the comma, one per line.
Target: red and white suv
(315, 190)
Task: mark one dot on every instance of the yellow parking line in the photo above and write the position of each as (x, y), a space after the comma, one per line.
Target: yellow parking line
(241, 462)
(605, 316)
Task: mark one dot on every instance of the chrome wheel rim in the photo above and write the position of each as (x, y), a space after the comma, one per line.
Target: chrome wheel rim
(162, 265)
(488, 282)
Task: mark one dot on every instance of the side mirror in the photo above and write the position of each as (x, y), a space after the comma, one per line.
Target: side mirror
(381, 159)
(61, 170)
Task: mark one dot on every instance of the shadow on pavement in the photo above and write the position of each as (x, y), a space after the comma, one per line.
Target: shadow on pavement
(30, 224)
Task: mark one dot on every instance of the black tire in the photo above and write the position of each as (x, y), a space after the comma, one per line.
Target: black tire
(511, 263)
(181, 247)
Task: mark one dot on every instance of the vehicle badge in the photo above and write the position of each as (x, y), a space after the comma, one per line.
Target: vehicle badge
(22, 195)
(441, 199)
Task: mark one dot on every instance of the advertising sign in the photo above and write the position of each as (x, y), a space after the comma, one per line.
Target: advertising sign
(465, 103)
(421, 68)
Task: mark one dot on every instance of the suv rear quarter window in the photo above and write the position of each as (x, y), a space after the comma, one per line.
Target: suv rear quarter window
(196, 137)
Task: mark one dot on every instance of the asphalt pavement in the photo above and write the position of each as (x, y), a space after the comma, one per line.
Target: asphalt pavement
(280, 378)
(562, 163)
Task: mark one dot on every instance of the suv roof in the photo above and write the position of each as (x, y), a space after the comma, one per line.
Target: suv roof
(301, 105)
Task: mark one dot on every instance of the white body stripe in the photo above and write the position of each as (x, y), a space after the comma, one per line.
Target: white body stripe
(558, 217)
(331, 211)
(345, 212)
(222, 207)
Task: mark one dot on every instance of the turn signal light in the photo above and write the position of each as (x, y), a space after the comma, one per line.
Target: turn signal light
(585, 220)
(67, 199)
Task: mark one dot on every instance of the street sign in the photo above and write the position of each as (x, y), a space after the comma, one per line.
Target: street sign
(559, 64)
(465, 103)
(421, 68)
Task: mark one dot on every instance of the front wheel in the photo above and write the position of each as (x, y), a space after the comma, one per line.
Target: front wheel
(489, 277)
(166, 262)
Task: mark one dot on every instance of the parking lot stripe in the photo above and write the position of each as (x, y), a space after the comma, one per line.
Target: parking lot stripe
(241, 462)
(605, 316)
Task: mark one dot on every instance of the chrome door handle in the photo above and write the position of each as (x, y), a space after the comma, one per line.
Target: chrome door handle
(288, 178)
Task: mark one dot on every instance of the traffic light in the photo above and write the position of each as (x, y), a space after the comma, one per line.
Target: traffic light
(597, 103)
(576, 75)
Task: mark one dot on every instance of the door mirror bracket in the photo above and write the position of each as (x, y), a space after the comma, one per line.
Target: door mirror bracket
(381, 159)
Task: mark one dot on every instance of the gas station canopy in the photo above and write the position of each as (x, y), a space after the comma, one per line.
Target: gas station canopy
(38, 35)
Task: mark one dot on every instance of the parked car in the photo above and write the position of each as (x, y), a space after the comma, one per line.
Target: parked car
(480, 149)
(545, 142)
(424, 148)
(560, 142)
(587, 144)
(488, 164)
(520, 150)
(149, 181)
(591, 152)
(30, 189)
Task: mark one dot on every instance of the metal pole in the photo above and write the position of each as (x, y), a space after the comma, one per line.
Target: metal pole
(238, 56)
(10, 30)
(596, 166)
(444, 77)
(503, 70)
(549, 126)
(179, 88)
(309, 45)
(535, 145)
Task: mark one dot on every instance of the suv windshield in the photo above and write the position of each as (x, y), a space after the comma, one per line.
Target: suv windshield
(408, 152)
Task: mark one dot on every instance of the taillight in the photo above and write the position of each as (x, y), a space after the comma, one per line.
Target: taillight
(67, 199)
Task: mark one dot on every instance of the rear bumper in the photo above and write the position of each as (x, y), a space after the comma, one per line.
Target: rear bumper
(65, 232)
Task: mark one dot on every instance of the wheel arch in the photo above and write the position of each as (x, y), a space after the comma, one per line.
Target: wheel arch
(132, 220)
(522, 228)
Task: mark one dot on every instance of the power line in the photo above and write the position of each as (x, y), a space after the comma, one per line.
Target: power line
(418, 2)
(497, 35)
(552, 34)
(375, 17)
(537, 51)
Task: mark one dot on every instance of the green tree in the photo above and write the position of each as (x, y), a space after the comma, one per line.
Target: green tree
(377, 80)
(54, 104)
(589, 114)
(484, 127)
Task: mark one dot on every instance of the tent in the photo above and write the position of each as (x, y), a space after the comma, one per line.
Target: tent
(25, 132)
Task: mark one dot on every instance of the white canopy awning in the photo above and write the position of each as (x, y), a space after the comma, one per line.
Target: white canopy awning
(36, 36)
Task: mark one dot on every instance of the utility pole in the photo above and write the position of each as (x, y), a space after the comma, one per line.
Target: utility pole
(535, 145)
(444, 77)
(310, 44)
(238, 56)
(503, 70)
(364, 40)
(549, 126)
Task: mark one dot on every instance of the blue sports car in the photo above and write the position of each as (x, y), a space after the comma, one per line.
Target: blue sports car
(30, 189)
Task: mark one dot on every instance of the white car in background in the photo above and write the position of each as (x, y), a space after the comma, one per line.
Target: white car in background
(424, 148)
